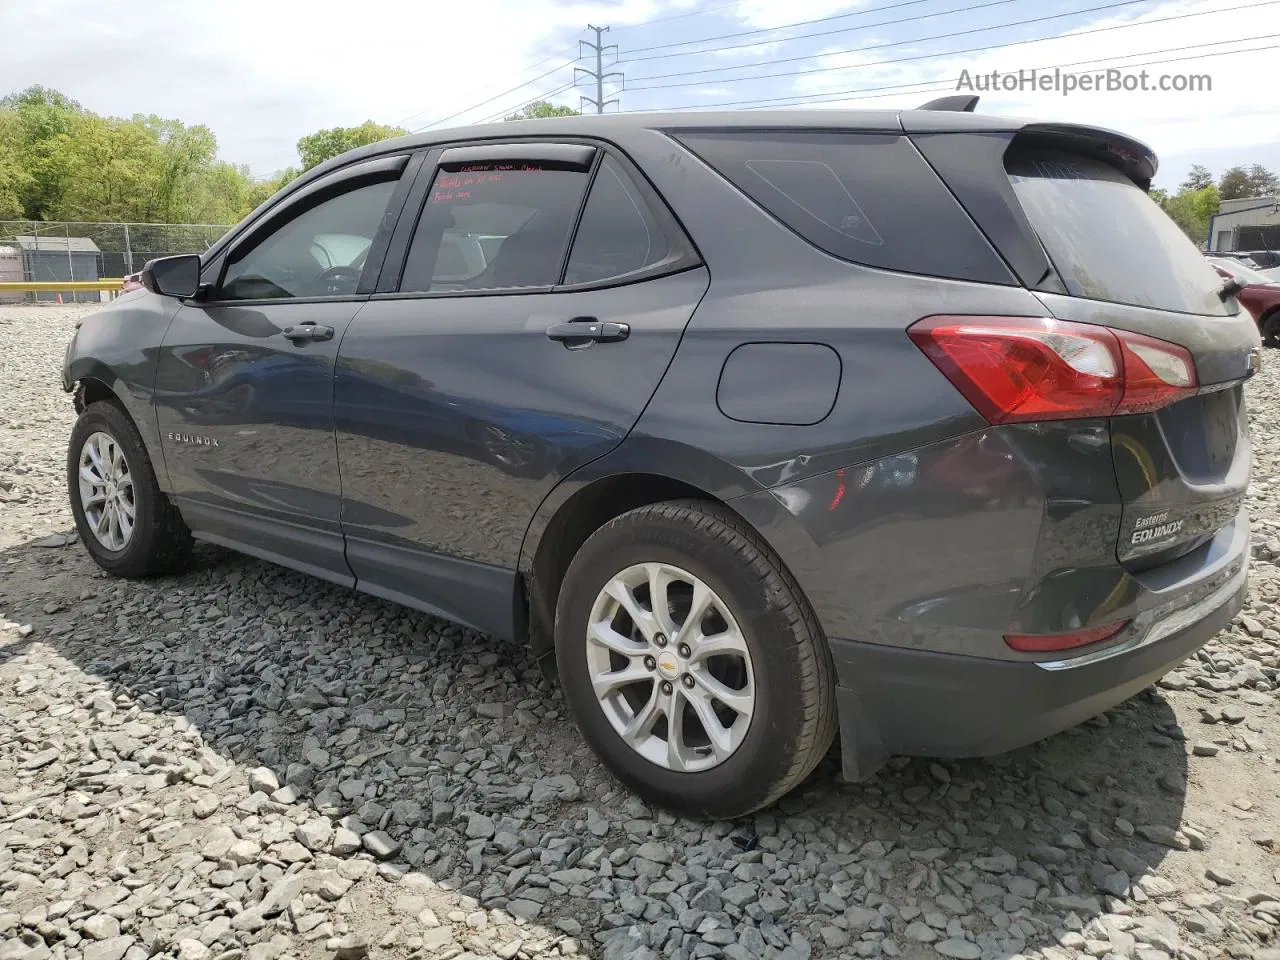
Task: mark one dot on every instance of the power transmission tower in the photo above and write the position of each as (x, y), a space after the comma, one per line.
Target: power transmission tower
(598, 74)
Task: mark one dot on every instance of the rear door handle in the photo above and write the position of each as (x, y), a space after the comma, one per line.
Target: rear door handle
(589, 330)
(307, 331)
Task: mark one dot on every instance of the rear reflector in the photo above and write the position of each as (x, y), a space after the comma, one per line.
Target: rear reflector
(1018, 369)
(1056, 642)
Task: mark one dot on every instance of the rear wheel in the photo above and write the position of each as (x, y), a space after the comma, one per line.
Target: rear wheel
(692, 663)
(1270, 329)
(124, 520)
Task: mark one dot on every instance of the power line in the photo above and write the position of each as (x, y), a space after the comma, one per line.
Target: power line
(950, 85)
(932, 56)
(782, 26)
(695, 13)
(554, 56)
(926, 86)
(968, 8)
(498, 96)
(507, 111)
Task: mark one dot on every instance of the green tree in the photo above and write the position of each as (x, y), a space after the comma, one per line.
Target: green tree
(542, 108)
(1253, 181)
(1198, 178)
(1190, 209)
(324, 145)
(60, 161)
(14, 180)
(43, 121)
(1262, 182)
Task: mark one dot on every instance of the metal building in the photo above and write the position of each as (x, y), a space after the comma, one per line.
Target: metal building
(61, 258)
(1249, 223)
(10, 270)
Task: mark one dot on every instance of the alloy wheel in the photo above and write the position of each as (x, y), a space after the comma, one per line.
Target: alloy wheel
(106, 491)
(670, 667)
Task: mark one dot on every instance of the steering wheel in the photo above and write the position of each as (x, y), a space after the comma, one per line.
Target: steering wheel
(331, 279)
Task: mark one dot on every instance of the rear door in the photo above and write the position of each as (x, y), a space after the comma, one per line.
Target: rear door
(244, 386)
(532, 300)
(1122, 263)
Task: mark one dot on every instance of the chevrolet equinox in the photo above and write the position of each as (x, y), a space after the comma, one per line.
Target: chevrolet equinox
(921, 427)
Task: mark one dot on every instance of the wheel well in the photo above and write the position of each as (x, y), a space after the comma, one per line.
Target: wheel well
(90, 391)
(582, 515)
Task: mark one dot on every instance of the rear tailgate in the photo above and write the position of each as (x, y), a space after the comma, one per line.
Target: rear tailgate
(1106, 254)
(1182, 470)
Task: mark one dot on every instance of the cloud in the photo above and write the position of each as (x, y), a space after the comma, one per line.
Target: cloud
(777, 13)
(261, 75)
(1231, 114)
(755, 51)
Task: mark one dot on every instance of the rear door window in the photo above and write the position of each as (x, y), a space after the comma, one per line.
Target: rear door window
(867, 198)
(1107, 239)
(490, 225)
(622, 234)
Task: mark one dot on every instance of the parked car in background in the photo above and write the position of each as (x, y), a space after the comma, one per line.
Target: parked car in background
(924, 428)
(1265, 259)
(1233, 255)
(132, 281)
(1260, 295)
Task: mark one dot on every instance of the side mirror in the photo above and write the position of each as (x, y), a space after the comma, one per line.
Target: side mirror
(172, 276)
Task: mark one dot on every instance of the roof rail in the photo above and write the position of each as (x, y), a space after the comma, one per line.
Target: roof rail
(961, 103)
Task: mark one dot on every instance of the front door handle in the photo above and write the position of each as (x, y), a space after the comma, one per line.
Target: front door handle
(584, 330)
(305, 331)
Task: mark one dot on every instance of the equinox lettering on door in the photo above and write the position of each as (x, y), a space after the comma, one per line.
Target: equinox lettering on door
(192, 438)
(1154, 528)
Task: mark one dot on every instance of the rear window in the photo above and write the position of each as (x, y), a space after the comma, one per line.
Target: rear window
(1107, 239)
(867, 198)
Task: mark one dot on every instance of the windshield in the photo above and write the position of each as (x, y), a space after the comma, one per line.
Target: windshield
(1240, 271)
(1107, 239)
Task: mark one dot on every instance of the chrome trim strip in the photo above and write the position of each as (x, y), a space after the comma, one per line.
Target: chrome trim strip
(1168, 625)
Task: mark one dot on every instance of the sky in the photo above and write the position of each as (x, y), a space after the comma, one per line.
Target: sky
(262, 73)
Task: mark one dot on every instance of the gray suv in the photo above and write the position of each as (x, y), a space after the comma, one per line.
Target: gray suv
(920, 427)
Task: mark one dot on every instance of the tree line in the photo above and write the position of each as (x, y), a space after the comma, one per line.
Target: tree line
(1197, 199)
(60, 161)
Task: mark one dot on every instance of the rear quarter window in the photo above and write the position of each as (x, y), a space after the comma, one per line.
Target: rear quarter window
(1106, 238)
(866, 198)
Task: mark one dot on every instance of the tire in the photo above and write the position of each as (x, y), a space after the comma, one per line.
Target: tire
(787, 674)
(1270, 329)
(159, 541)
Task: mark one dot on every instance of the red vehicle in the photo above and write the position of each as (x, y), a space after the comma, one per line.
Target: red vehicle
(1260, 296)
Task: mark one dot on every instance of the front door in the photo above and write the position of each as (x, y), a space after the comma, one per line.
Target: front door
(522, 340)
(244, 388)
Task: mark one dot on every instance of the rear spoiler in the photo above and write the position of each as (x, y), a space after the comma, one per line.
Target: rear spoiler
(1132, 157)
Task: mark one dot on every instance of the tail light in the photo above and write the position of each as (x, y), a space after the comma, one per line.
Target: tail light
(1057, 642)
(1015, 369)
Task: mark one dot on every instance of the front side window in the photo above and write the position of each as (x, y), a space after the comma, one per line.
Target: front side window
(319, 253)
(494, 225)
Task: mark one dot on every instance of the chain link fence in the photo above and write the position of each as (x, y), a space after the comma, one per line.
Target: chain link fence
(35, 250)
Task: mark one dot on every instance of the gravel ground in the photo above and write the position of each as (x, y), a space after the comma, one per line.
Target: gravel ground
(243, 762)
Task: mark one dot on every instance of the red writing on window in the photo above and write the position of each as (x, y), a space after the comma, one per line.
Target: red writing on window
(453, 186)
(449, 196)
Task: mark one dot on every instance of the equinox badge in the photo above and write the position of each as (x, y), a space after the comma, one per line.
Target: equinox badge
(193, 439)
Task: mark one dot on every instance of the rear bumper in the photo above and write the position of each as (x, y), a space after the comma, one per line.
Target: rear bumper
(894, 700)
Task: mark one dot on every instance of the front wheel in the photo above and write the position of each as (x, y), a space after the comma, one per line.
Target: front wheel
(691, 661)
(124, 520)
